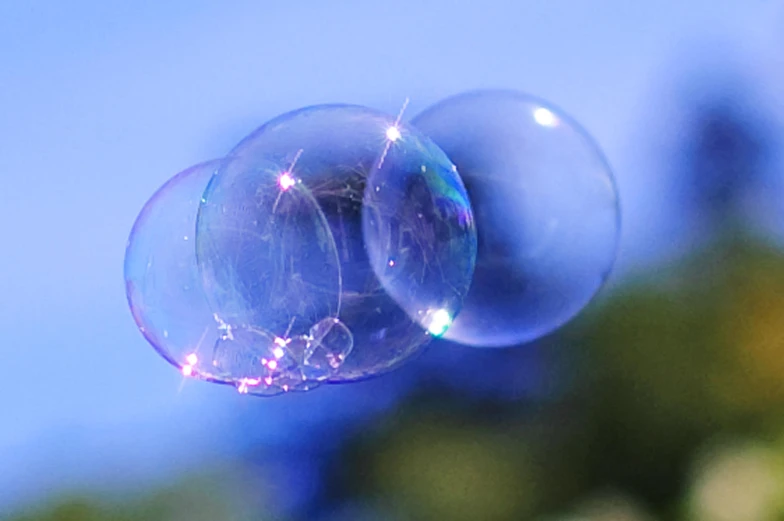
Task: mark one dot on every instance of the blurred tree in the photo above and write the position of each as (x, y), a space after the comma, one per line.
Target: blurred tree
(218, 494)
(726, 149)
(666, 365)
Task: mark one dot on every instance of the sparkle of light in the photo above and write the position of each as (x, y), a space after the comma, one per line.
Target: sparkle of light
(192, 359)
(246, 383)
(272, 365)
(393, 133)
(187, 370)
(278, 352)
(439, 322)
(545, 117)
(286, 181)
(391, 263)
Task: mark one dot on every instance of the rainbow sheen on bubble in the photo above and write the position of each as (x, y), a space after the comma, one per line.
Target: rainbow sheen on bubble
(546, 210)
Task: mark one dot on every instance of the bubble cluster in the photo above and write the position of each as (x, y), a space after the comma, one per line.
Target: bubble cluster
(330, 245)
(335, 241)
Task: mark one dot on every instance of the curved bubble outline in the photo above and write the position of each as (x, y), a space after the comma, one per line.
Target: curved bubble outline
(282, 118)
(153, 341)
(590, 141)
(303, 190)
(277, 120)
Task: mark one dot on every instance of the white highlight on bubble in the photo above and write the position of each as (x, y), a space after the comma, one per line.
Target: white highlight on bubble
(440, 320)
(545, 117)
(286, 181)
(191, 360)
(393, 133)
(223, 327)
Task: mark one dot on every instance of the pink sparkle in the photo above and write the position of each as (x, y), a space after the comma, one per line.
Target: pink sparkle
(192, 359)
(187, 370)
(245, 383)
(272, 364)
(286, 181)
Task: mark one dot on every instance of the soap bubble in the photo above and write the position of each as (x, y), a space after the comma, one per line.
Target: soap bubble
(164, 286)
(546, 212)
(338, 235)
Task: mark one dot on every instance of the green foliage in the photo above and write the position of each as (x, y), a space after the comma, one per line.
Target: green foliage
(663, 368)
(197, 498)
(672, 410)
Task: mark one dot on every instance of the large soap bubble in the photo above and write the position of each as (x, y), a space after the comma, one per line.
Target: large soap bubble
(164, 286)
(333, 244)
(546, 212)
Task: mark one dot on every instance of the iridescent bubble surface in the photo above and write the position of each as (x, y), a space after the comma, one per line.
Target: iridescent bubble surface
(164, 285)
(340, 235)
(546, 211)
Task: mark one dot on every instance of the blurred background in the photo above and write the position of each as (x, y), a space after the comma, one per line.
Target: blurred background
(662, 401)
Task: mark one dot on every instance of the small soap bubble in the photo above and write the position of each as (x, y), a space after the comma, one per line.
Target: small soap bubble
(546, 211)
(259, 363)
(330, 344)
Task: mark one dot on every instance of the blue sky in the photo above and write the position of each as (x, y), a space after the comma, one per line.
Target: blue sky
(100, 102)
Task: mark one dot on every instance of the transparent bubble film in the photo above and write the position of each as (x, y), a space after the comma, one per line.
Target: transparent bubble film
(338, 228)
(546, 211)
(335, 242)
(164, 285)
(331, 245)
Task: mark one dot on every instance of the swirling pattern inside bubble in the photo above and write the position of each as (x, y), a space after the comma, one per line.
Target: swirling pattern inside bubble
(337, 239)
